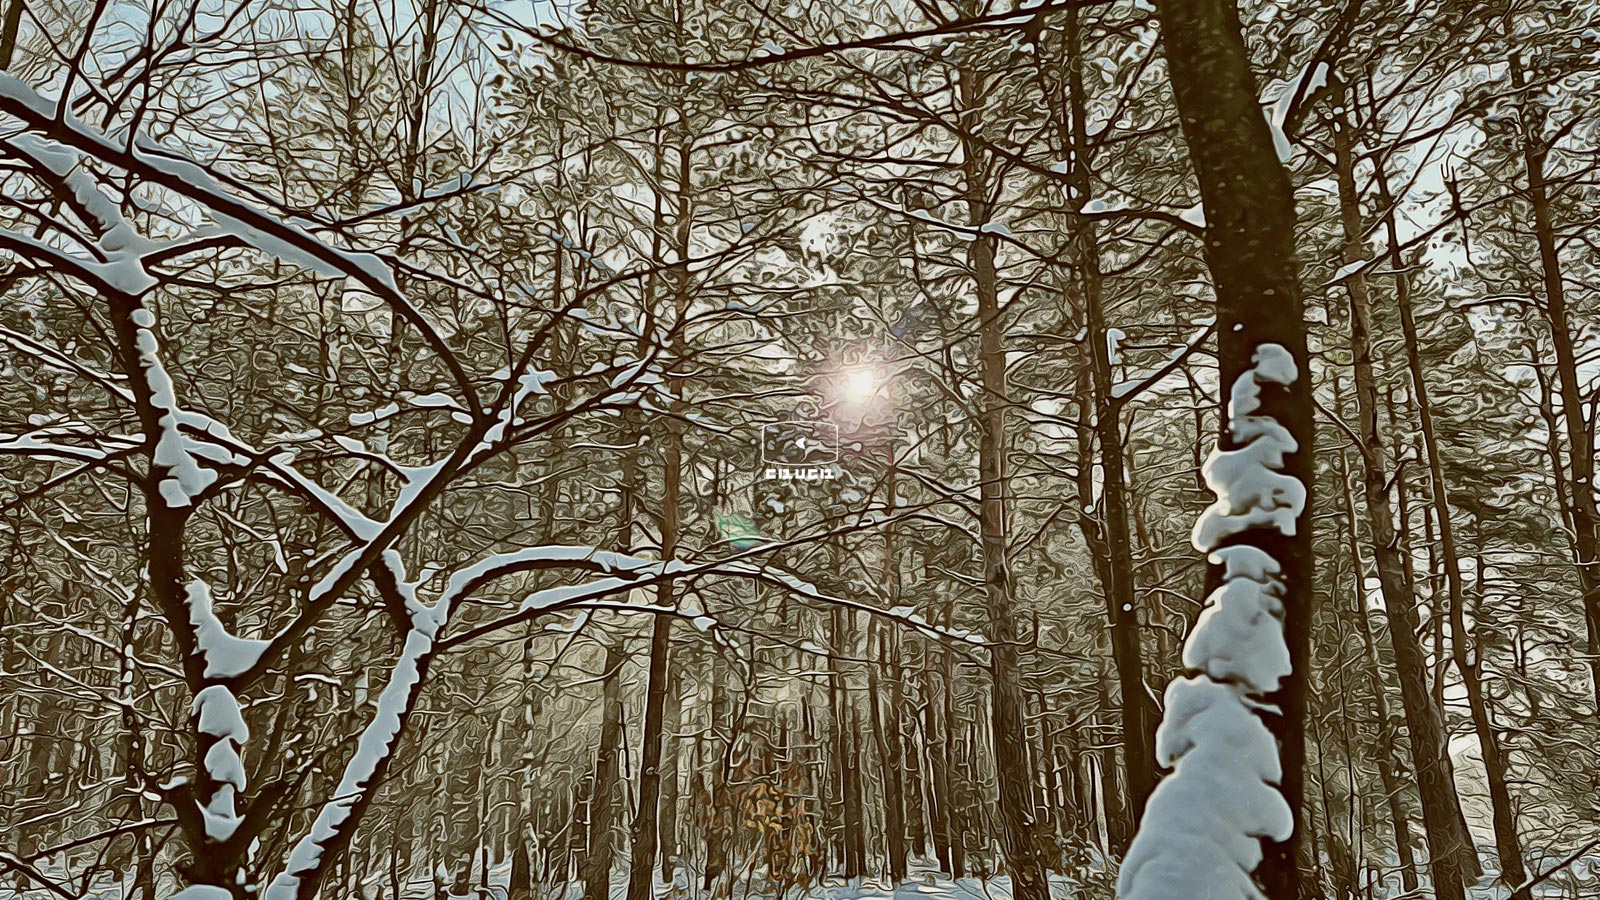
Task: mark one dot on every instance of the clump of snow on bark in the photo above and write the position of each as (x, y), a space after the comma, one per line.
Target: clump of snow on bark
(226, 656)
(1250, 494)
(186, 478)
(1114, 338)
(217, 712)
(1239, 636)
(1201, 832)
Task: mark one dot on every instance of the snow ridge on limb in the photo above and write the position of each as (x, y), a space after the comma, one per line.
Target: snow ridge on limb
(284, 237)
(226, 656)
(1202, 826)
(382, 732)
(377, 740)
(217, 714)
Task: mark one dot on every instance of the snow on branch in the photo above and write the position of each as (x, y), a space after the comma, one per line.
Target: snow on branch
(1202, 826)
(226, 656)
(1127, 390)
(377, 742)
(185, 478)
(1282, 112)
(278, 236)
(217, 713)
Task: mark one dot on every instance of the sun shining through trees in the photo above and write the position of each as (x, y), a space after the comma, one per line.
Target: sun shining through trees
(861, 385)
(707, 450)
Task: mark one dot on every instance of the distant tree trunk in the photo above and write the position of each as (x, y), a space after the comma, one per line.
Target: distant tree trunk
(1580, 496)
(607, 769)
(669, 779)
(603, 802)
(520, 885)
(646, 823)
(1448, 840)
(914, 782)
(955, 817)
(886, 723)
(1387, 735)
(1055, 809)
(1105, 421)
(1119, 828)
(641, 863)
(936, 738)
(1507, 841)
(719, 817)
(1250, 251)
(1007, 706)
(847, 754)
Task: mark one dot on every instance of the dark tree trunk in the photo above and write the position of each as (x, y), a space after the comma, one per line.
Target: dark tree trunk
(936, 737)
(1507, 841)
(1580, 495)
(1250, 252)
(886, 723)
(646, 824)
(1448, 839)
(885, 726)
(846, 753)
(603, 810)
(1008, 724)
(1387, 734)
(669, 779)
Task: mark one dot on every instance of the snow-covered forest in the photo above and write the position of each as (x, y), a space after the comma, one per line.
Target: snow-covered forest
(799, 450)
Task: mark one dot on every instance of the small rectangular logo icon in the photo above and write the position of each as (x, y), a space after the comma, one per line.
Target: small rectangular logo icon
(799, 444)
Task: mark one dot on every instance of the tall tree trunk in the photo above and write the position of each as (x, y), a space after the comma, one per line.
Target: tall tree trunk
(646, 822)
(603, 801)
(889, 762)
(956, 817)
(886, 723)
(603, 810)
(846, 753)
(520, 885)
(935, 730)
(668, 830)
(1508, 843)
(1008, 723)
(1448, 839)
(1380, 698)
(719, 805)
(1111, 541)
(1119, 829)
(641, 863)
(1250, 252)
(1579, 431)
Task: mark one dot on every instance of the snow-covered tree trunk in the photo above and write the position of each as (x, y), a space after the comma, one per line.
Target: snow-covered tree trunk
(1203, 823)
(1239, 720)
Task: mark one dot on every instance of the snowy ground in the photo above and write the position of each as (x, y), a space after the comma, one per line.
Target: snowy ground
(924, 884)
(1576, 882)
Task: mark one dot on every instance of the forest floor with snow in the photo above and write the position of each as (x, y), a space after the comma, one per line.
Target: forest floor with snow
(924, 883)
(1574, 882)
